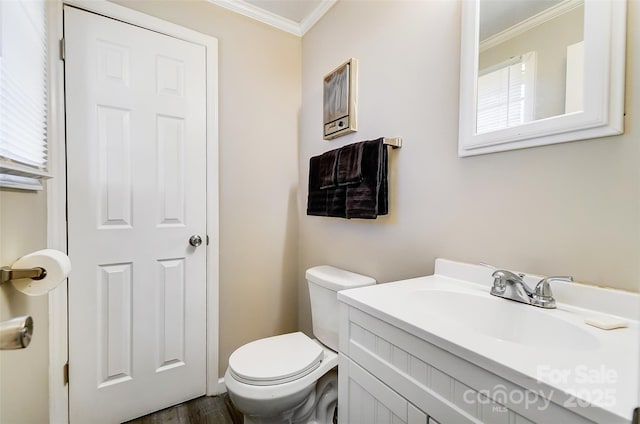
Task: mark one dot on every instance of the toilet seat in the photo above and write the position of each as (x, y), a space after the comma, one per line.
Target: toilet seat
(275, 360)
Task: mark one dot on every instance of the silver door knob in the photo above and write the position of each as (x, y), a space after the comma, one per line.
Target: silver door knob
(195, 241)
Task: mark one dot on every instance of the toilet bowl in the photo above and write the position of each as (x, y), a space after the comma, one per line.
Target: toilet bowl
(281, 402)
(292, 378)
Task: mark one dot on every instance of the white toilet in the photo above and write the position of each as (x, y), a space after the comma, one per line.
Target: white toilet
(292, 378)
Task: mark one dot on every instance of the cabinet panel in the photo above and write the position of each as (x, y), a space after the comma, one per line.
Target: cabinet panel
(416, 416)
(448, 388)
(363, 399)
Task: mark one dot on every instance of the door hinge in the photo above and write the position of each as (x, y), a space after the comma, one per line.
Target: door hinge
(65, 373)
(62, 49)
(207, 239)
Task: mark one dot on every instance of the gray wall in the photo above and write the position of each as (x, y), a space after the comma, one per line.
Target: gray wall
(571, 208)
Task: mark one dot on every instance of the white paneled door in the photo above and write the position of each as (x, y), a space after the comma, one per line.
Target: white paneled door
(136, 153)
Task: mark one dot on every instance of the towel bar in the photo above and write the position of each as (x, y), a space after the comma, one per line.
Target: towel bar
(394, 142)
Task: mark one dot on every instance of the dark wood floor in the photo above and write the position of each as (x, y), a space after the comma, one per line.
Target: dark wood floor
(203, 410)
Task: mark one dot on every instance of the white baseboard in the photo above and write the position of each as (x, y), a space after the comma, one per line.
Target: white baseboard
(222, 388)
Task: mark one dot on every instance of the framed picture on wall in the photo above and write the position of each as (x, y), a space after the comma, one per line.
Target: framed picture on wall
(341, 100)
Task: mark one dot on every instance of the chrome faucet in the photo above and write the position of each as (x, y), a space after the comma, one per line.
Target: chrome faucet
(511, 286)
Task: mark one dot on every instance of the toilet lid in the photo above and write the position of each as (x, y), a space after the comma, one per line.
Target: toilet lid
(275, 360)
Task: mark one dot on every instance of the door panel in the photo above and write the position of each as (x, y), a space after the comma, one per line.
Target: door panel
(136, 152)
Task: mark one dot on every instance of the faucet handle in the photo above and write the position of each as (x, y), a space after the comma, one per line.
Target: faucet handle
(503, 275)
(500, 278)
(543, 288)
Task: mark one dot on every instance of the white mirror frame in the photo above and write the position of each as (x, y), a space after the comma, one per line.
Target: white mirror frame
(604, 66)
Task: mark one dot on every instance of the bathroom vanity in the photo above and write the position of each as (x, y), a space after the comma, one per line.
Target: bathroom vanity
(441, 349)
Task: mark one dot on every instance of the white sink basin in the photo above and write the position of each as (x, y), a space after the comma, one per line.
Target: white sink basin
(501, 319)
(543, 350)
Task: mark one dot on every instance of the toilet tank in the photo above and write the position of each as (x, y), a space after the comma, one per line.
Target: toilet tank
(324, 283)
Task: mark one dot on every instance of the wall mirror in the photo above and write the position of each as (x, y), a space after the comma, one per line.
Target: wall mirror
(536, 72)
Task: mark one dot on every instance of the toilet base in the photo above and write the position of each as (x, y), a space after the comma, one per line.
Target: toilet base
(318, 408)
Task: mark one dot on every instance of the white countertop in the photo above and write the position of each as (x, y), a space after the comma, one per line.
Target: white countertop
(581, 364)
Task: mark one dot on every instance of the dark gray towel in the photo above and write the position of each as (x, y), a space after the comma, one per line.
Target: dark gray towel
(383, 192)
(324, 201)
(327, 168)
(362, 188)
(349, 164)
(317, 199)
(336, 205)
(369, 198)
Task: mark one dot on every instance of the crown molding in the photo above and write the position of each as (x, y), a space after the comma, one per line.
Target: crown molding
(312, 18)
(532, 22)
(274, 20)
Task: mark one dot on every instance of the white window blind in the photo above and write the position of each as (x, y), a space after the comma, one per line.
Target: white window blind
(23, 94)
(506, 94)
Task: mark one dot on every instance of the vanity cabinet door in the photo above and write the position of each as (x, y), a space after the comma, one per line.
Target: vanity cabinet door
(363, 399)
(416, 416)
